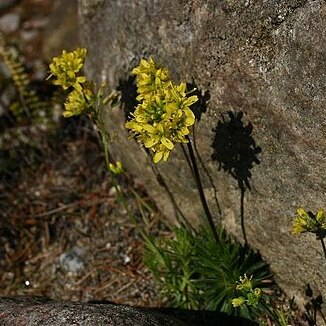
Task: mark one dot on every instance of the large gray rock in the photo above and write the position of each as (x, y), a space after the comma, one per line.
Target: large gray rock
(39, 311)
(264, 58)
(33, 311)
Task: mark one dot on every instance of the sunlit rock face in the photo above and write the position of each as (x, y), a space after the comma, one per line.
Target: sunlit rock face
(260, 68)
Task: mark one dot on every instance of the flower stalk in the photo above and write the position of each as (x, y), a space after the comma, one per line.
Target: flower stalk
(201, 190)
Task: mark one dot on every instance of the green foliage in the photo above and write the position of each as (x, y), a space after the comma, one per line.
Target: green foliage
(172, 263)
(197, 273)
(30, 106)
(281, 317)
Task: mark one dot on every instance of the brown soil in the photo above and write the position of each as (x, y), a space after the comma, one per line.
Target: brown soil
(57, 206)
(66, 205)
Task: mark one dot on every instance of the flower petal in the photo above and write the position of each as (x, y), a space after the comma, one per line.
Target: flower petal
(151, 142)
(157, 157)
(150, 129)
(320, 216)
(167, 143)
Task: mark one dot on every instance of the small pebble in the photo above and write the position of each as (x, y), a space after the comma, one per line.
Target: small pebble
(29, 35)
(36, 23)
(126, 259)
(112, 191)
(71, 262)
(9, 23)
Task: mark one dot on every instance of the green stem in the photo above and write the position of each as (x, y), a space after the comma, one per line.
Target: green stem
(106, 149)
(201, 190)
(120, 194)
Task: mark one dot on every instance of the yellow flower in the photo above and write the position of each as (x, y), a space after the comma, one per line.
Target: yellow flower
(308, 222)
(161, 153)
(257, 292)
(117, 168)
(244, 283)
(300, 223)
(163, 117)
(78, 102)
(237, 302)
(248, 295)
(320, 216)
(302, 213)
(149, 78)
(297, 227)
(66, 67)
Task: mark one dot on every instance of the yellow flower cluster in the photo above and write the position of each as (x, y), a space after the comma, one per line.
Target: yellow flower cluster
(78, 102)
(163, 116)
(149, 78)
(65, 69)
(308, 222)
(248, 295)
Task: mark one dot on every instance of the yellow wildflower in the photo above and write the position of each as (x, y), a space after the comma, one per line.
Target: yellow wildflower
(162, 118)
(66, 67)
(78, 102)
(237, 302)
(117, 168)
(248, 295)
(320, 217)
(300, 223)
(308, 222)
(149, 78)
(257, 292)
(244, 283)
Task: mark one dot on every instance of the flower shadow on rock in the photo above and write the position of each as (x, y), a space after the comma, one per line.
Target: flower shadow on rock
(313, 307)
(235, 149)
(127, 88)
(199, 107)
(236, 152)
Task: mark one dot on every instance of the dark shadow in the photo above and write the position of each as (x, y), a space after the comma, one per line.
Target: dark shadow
(236, 152)
(194, 317)
(313, 307)
(234, 148)
(128, 91)
(200, 106)
(203, 317)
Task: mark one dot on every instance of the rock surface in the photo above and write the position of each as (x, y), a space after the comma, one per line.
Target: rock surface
(32, 311)
(262, 137)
